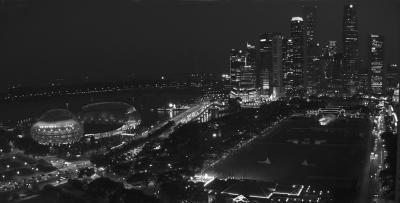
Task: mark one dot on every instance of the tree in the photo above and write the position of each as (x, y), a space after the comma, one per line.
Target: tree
(104, 188)
(234, 104)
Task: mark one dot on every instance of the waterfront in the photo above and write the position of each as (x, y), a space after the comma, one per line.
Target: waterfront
(146, 101)
(154, 101)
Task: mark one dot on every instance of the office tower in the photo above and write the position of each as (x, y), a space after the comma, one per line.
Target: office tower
(288, 70)
(338, 66)
(392, 79)
(248, 79)
(395, 99)
(376, 56)
(277, 66)
(270, 68)
(337, 76)
(243, 76)
(297, 37)
(350, 44)
(311, 48)
(249, 72)
(332, 48)
(397, 178)
(328, 56)
(363, 82)
(309, 14)
(237, 62)
(265, 65)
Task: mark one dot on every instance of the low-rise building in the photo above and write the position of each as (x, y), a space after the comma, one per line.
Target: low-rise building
(235, 191)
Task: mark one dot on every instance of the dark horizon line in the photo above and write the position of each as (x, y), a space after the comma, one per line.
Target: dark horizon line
(122, 78)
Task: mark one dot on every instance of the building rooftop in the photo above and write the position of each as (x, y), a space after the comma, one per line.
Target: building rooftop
(297, 19)
(56, 115)
(250, 188)
(253, 189)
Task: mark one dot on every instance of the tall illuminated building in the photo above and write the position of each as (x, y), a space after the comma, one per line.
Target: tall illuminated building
(337, 74)
(396, 99)
(237, 62)
(270, 68)
(277, 65)
(297, 37)
(311, 46)
(397, 178)
(265, 65)
(243, 75)
(332, 48)
(288, 70)
(363, 81)
(248, 79)
(309, 16)
(392, 78)
(350, 44)
(376, 56)
(328, 55)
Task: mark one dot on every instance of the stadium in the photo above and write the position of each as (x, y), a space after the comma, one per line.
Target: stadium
(56, 127)
(108, 117)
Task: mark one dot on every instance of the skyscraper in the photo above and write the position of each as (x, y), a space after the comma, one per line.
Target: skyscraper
(288, 70)
(376, 54)
(392, 78)
(265, 65)
(277, 65)
(328, 55)
(350, 43)
(248, 79)
(237, 62)
(297, 37)
(309, 15)
(270, 67)
(338, 69)
(332, 48)
(243, 75)
(397, 180)
(396, 99)
(311, 48)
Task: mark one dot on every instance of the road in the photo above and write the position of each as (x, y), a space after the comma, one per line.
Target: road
(377, 157)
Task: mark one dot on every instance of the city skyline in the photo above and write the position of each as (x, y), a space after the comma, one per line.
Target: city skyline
(118, 51)
(200, 101)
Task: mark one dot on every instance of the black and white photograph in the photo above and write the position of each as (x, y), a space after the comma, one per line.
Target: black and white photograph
(199, 101)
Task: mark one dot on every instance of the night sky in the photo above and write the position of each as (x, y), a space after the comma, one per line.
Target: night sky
(113, 39)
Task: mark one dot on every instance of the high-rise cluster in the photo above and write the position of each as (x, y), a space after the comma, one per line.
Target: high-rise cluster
(298, 65)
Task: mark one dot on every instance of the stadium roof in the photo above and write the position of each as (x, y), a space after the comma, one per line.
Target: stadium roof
(55, 115)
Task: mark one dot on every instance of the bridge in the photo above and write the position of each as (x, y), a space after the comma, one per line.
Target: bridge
(332, 110)
(192, 113)
(182, 118)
